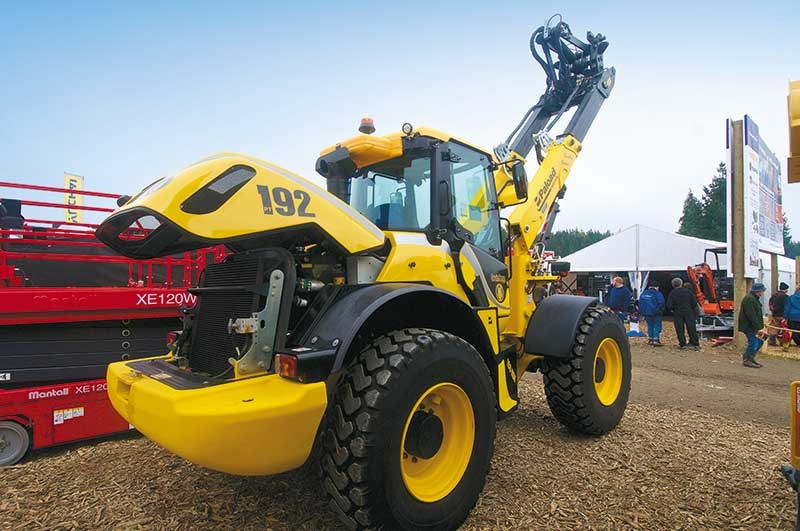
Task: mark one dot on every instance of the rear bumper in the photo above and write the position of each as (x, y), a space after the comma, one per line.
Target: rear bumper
(257, 426)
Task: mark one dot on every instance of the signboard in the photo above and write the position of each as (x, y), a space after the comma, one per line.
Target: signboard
(73, 182)
(763, 200)
(793, 162)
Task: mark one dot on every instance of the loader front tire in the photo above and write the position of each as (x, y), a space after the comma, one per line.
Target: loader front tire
(411, 433)
(588, 392)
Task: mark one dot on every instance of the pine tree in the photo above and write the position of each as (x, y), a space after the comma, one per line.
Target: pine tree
(714, 206)
(791, 248)
(692, 218)
(707, 217)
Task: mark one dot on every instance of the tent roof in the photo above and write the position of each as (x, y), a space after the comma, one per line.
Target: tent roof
(642, 248)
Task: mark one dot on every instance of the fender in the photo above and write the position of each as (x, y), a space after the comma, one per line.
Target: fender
(552, 328)
(380, 308)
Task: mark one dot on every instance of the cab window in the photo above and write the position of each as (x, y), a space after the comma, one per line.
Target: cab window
(395, 194)
(474, 198)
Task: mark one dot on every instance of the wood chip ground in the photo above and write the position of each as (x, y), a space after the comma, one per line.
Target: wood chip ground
(661, 468)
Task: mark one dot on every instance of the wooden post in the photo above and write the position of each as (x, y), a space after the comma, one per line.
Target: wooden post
(741, 285)
(796, 273)
(773, 265)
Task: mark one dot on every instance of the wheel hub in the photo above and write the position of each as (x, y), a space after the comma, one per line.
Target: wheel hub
(437, 442)
(425, 435)
(599, 370)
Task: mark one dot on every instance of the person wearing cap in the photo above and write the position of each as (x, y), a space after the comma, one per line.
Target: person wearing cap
(682, 302)
(651, 306)
(751, 324)
(776, 305)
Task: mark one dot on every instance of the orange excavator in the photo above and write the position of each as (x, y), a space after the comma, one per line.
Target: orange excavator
(714, 292)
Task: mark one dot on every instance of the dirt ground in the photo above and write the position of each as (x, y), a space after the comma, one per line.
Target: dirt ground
(699, 448)
(714, 380)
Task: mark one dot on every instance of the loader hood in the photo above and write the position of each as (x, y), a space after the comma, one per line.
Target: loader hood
(239, 201)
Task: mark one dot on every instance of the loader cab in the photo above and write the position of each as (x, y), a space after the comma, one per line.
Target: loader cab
(444, 189)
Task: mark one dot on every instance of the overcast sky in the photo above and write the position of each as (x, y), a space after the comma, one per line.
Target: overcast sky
(125, 93)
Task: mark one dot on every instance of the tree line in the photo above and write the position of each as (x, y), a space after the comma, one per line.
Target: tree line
(565, 242)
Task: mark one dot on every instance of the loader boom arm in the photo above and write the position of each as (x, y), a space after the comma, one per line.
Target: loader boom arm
(577, 79)
(547, 183)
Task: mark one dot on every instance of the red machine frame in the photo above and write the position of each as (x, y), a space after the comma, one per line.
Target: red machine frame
(57, 413)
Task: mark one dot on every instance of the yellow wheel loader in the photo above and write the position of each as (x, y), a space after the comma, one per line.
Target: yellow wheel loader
(388, 318)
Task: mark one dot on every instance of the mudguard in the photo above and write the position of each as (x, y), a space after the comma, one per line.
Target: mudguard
(552, 328)
(389, 306)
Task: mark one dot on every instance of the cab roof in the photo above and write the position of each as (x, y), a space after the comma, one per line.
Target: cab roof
(366, 150)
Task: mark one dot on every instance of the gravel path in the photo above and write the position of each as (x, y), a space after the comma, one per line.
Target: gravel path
(663, 467)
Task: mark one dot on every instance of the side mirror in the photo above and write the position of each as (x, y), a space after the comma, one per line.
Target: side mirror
(520, 178)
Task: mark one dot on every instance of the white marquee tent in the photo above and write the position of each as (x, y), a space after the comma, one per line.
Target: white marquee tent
(639, 249)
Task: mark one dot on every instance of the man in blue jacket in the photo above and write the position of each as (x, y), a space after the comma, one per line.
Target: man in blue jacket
(619, 298)
(651, 306)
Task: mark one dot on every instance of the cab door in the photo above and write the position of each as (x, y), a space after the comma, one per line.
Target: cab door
(475, 221)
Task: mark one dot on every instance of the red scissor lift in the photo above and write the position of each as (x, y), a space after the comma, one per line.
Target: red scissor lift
(68, 307)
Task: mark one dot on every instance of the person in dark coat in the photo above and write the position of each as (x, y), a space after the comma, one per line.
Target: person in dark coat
(751, 324)
(682, 302)
(776, 305)
(651, 306)
(619, 298)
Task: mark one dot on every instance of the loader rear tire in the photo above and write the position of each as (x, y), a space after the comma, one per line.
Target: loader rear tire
(588, 392)
(410, 434)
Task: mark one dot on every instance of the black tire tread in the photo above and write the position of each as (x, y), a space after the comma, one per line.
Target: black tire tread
(563, 379)
(355, 415)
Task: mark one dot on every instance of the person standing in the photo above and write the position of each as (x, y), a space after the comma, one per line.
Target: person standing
(751, 324)
(682, 302)
(651, 305)
(619, 298)
(791, 312)
(777, 303)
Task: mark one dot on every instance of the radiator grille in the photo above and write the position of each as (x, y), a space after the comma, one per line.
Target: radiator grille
(211, 344)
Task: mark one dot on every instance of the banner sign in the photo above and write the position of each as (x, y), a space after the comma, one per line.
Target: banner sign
(73, 182)
(763, 199)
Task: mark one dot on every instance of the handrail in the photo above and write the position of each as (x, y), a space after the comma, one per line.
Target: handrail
(41, 188)
(57, 222)
(62, 206)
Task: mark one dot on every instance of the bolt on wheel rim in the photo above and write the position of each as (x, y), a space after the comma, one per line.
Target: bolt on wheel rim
(432, 479)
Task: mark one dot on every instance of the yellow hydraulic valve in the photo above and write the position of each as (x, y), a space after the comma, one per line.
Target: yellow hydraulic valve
(793, 164)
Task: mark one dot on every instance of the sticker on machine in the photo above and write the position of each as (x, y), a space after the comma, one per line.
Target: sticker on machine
(5, 376)
(62, 415)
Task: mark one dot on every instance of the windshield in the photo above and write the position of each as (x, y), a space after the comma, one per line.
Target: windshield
(395, 194)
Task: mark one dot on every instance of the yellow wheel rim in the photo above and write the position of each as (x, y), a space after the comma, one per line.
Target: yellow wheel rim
(431, 478)
(607, 371)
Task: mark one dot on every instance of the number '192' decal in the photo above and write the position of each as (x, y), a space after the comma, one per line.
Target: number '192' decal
(281, 201)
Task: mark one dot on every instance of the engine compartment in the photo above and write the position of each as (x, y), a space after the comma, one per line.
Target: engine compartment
(258, 303)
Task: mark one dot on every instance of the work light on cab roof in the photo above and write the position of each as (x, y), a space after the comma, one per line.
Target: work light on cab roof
(367, 126)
